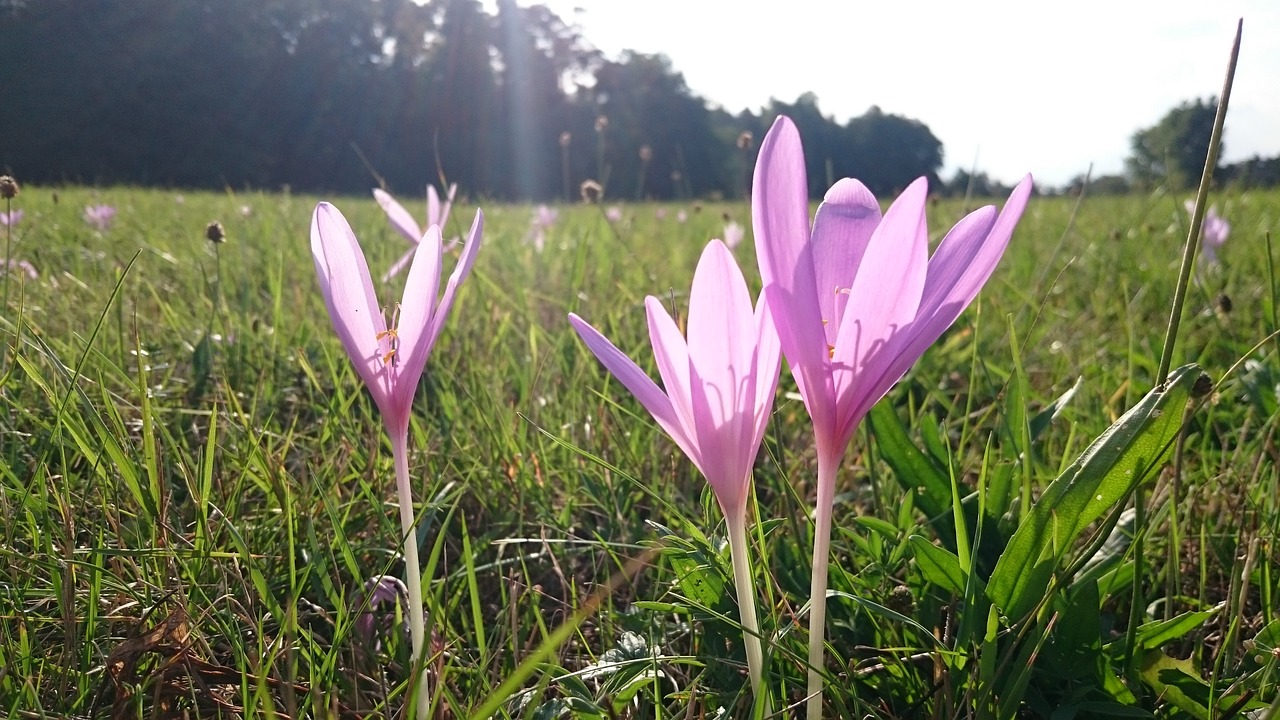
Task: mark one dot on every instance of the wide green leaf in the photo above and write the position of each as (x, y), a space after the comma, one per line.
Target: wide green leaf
(1108, 470)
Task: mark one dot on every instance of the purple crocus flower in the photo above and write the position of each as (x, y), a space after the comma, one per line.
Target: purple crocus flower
(543, 218)
(100, 217)
(719, 388)
(378, 591)
(10, 218)
(390, 360)
(403, 222)
(613, 213)
(733, 234)
(857, 300)
(1213, 233)
(27, 268)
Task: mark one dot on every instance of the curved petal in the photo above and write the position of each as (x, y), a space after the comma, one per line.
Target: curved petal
(417, 307)
(951, 286)
(767, 365)
(672, 357)
(780, 218)
(459, 274)
(634, 379)
(885, 294)
(348, 294)
(722, 333)
(400, 218)
(448, 205)
(433, 205)
(399, 265)
(964, 261)
(845, 222)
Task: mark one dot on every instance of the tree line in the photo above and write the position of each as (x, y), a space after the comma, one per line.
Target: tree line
(334, 95)
(514, 104)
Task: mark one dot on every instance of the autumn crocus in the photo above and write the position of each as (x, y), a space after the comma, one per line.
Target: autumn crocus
(402, 220)
(856, 300)
(9, 218)
(100, 217)
(390, 360)
(543, 218)
(733, 234)
(1213, 233)
(719, 388)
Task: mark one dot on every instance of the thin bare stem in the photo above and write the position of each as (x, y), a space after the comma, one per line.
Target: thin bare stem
(1197, 217)
(412, 568)
(744, 582)
(828, 461)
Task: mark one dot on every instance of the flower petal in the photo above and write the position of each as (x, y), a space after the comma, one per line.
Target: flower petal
(417, 307)
(634, 379)
(459, 274)
(884, 296)
(672, 357)
(780, 217)
(846, 219)
(400, 218)
(399, 265)
(722, 333)
(433, 205)
(348, 293)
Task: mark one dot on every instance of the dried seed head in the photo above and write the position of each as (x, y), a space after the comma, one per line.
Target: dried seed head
(602, 123)
(8, 187)
(676, 176)
(591, 191)
(901, 601)
(565, 138)
(1202, 386)
(745, 140)
(1224, 303)
(646, 153)
(215, 233)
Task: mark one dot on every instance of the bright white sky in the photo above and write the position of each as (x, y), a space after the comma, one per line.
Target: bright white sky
(1017, 85)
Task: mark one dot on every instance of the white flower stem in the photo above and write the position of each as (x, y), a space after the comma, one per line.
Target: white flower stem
(412, 568)
(744, 581)
(827, 464)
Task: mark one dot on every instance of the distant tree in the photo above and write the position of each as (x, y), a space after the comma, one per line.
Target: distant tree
(891, 151)
(1173, 151)
(1255, 172)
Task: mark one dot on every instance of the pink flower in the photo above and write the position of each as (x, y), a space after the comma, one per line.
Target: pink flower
(10, 218)
(27, 268)
(857, 300)
(613, 214)
(719, 385)
(100, 217)
(543, 218)
(1213, 232)
(390, 360)
(681, 216)
(660, 213)
(733, 234)
(404, 223)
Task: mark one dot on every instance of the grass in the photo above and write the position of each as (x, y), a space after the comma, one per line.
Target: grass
(195, 487)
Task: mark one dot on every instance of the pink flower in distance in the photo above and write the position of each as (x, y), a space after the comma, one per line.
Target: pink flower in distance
(390, 361)
(733, 234)
(100, 217)
(856, 298)
(403, 222)
(1213, 232)
(543, 218)
(719, 385)
(27, 268)
(10, 218)
(613, 214)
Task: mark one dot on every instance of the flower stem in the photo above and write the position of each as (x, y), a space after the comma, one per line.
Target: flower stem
(827, 464)
(412, 568)
(744, 582)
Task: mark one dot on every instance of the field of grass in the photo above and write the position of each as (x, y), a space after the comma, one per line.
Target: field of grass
(195, 486)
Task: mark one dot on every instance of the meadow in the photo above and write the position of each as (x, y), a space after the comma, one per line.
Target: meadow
(195, 486)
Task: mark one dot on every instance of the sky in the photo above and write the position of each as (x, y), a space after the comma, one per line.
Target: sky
(1008, 87)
